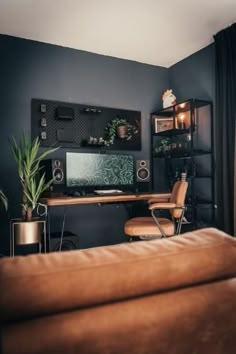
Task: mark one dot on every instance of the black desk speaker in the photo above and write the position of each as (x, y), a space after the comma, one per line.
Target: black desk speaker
(142, 171)
(54, 168)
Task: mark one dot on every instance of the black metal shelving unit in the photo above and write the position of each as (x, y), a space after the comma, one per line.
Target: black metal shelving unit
(182, 142)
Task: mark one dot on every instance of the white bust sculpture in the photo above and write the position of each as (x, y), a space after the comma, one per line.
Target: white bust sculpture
(168, 99)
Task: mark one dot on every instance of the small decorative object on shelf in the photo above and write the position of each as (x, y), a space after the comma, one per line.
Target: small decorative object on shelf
(172, 147)
(119, 128)
(91, 110)
(168, 99)
(163, 124)
(93, 141)
(183, 176)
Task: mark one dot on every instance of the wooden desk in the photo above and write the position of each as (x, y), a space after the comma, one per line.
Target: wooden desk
(66, 201)
(98, 199)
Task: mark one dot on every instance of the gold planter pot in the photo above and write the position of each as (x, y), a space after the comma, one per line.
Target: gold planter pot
(28, 232)
(121, 131)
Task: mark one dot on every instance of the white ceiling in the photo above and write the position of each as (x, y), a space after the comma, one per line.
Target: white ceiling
(148, 31)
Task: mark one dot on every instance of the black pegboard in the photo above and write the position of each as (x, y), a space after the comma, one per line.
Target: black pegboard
(87, 121)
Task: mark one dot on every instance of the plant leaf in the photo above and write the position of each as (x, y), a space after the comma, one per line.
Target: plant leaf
(3, 199)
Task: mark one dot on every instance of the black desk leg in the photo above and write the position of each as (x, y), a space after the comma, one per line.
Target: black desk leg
(63, 227)
(49, 229)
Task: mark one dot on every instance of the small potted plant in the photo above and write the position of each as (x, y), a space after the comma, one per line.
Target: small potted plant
(28, 160)
(119, 128)
(164, 147)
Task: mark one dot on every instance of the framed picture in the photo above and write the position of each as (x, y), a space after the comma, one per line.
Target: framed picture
(160, 125)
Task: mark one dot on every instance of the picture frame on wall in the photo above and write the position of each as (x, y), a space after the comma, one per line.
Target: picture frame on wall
(163, 124)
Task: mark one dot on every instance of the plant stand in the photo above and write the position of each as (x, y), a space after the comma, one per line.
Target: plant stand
(27, 232)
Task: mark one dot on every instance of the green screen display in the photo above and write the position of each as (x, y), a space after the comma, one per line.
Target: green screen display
(85, 169)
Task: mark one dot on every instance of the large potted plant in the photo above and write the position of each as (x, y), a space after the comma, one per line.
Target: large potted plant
(28, 158)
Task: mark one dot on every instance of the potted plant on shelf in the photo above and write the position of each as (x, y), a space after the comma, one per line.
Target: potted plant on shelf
(119, 128)
(28, 160)
(164, 147)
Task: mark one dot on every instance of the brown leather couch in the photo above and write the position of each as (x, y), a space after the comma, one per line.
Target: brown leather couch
(175, 295)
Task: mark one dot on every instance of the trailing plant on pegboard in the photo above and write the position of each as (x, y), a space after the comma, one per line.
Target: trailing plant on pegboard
(119, 128)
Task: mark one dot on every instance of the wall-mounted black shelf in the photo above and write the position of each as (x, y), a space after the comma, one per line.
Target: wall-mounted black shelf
(173, 132)
(181, 155)
(182, 141)
(181, 107)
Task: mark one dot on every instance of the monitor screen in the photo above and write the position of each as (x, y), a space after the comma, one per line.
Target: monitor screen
(87, 170)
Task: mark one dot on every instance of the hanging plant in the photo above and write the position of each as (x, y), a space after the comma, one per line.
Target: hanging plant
(119, 128)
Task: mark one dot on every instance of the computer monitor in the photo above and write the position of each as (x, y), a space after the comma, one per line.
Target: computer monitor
(86, 170)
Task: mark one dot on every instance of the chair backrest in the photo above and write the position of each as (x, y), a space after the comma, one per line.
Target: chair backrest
(178, 195)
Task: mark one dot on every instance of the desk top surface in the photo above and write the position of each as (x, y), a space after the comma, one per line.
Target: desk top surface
(63, 200)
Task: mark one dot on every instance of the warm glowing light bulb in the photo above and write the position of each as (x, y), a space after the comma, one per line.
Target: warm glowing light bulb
(182, 105)
(181, 118)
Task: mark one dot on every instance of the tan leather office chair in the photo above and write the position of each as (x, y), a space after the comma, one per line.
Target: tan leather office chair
(156, 227)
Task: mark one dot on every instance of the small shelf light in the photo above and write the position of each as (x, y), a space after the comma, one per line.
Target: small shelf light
(181, 121)
(182, 105)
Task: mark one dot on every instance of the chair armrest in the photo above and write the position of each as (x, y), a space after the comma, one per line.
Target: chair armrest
(164, 198)
(162, 206)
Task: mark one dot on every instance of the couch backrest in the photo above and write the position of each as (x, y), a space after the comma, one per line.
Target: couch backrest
(46, 284)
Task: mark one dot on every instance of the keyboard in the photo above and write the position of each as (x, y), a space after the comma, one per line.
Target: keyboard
(108, 191)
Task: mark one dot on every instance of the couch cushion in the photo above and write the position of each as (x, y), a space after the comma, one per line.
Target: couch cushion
(44, 284)
(194, 320)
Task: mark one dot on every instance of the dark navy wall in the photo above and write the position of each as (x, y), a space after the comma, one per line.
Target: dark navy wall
(31, 69)
(194, 77)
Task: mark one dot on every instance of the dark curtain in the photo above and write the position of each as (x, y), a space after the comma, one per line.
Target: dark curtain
(225, 50)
